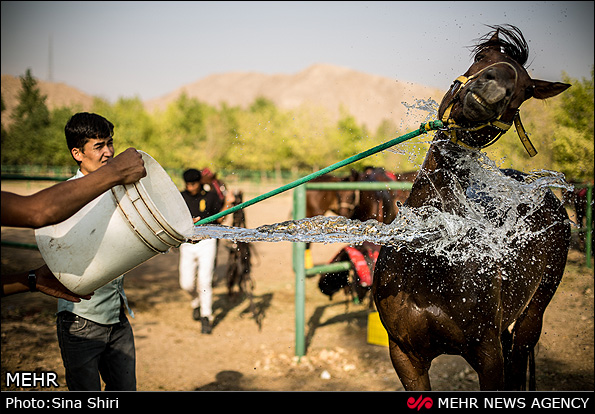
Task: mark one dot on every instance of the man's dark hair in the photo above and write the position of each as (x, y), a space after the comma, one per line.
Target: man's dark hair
(83, 126)
(192, 175)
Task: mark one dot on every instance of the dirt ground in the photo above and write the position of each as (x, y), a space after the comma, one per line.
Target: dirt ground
(241, 354)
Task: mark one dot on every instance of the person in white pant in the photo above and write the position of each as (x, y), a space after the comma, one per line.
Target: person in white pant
(197, 261)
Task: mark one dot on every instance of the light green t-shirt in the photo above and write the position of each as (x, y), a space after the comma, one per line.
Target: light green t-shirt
(103, 307)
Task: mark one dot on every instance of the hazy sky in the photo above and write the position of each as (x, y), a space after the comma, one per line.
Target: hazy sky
(148, 49)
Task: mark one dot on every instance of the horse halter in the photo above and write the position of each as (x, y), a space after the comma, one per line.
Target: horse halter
(346, 205)
(451, 126)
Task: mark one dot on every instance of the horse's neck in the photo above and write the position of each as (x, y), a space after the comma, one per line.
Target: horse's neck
(441, 178)
(443, 154)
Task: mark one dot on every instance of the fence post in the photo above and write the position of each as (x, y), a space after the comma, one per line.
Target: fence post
(299, 249)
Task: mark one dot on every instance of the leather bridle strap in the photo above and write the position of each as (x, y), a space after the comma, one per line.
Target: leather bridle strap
(452, 127)
(524, 137)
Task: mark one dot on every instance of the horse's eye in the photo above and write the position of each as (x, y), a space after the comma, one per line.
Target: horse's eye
(529, 91)
(478, 57)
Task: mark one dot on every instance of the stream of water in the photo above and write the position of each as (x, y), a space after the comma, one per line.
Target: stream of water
(492, 217)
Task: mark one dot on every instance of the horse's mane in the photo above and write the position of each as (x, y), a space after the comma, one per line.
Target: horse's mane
(509, 39)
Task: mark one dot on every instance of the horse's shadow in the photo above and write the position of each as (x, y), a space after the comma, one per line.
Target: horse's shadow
(224, 381)
(223, 304)
(315, 321)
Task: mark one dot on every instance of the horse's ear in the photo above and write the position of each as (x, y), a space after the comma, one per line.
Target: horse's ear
(494, 42)
(545, 89)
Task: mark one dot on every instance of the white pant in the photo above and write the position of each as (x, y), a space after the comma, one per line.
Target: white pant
(199, 260)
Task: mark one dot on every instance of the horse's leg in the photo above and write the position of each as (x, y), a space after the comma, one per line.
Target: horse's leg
(412, 372)
(487, 360)
(506, 341)
(232, 271)
(527, 328)
(525, 335)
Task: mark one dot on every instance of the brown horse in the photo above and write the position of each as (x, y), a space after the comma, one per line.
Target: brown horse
(381, 205)
(489, 311)
(239, 264)
(340, 202)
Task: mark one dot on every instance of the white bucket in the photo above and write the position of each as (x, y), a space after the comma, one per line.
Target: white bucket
(116, 232)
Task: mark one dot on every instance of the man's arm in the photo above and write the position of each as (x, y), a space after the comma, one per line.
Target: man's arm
(45, 282)
(57, 203)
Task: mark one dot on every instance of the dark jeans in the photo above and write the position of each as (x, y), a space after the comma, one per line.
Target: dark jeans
(91, 349)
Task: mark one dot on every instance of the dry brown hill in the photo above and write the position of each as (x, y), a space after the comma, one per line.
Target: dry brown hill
(58, 94)
(369, 98)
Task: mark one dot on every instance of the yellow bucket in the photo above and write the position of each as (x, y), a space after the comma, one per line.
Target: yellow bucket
(376, 333)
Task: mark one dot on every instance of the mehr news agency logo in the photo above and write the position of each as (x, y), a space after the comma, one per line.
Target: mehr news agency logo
(542, 401)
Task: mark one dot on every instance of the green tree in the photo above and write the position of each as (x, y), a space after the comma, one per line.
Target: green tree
(4, 133)
(258, 144)
(306, 131)
(349, 138)
(56, 151)
(25, 141)
(220, 131)
(573, 134)
(133, 126)
(181, 131)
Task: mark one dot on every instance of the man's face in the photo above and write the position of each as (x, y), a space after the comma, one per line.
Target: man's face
(94, 154)
(193, 187)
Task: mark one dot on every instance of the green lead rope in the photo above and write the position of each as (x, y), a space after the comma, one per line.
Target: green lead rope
(430, 126)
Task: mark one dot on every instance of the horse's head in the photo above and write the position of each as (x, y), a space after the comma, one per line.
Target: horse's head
(483, 103)
(238, 197)
(239, 218)
(346, 199)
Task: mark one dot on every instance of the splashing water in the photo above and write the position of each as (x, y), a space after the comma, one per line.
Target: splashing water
(430, 106)
(413, 149)
(492, 219)
(492, 202)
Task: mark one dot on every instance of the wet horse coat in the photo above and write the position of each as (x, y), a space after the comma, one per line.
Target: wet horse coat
(488, 311)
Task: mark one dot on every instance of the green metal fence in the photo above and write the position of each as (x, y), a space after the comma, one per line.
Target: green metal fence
(299, 248)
